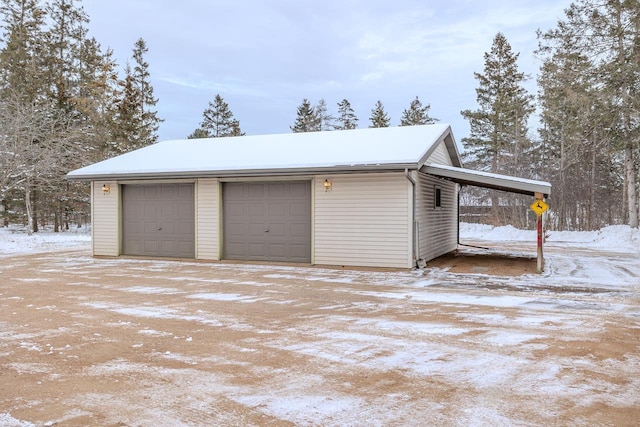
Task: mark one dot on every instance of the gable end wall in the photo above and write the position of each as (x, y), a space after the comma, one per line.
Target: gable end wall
(440, 155)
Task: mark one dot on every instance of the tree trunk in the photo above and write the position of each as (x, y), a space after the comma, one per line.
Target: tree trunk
(630, 178)
(591, 207)
(562, 208)
(34, 211)
(27, 205)
(5, 212)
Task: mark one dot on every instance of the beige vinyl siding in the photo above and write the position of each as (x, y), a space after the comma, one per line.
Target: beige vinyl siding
(437, 227)
(364, 220)
(207, 219)
(105, 219)
(440, 156)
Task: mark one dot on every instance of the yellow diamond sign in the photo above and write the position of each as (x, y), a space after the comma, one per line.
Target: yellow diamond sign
(539, 206)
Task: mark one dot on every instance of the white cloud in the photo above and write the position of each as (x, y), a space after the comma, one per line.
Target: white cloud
(264, 57)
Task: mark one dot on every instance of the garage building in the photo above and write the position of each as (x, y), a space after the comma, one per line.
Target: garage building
(384, 197)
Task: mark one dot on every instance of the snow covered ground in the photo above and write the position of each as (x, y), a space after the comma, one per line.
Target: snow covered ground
(616, 238)
(153, 342)
(15, 240)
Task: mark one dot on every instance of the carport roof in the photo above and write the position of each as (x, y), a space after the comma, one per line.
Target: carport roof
(369, 149)
(489, 180)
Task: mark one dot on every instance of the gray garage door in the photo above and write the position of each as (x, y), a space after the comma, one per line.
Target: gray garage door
(158, 220)
(267, 221)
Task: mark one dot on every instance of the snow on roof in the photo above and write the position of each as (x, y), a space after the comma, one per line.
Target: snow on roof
(343, 150)
(489, 180)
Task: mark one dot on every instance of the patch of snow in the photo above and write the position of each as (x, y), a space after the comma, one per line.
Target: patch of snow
(153, 332)
(508, 337)
(152, 290)
(218, 296)
(453, 298)
(615, 238)
(6, 420)
(15, 240)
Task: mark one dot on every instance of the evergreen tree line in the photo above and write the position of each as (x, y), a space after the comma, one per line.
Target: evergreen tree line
(588, 141)
(64, 103)
(218, 119)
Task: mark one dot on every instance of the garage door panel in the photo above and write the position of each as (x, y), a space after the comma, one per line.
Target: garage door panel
(185, 248)
(256, 230)
(299, 209)
(167, 228)
(148, 211)
(235, 250)
(277, 230)
(256, 250)
(278, 209)
(271, 210)
(158, 220)
(235, 230)
(184, 228)
(256, 209)
(255, 191)
(277, 251)
(235, 208)
(299, 230)
(150, 192)
(150, 246)
(149, 228)
(299, 189)
(185, 211)
(298, 252)
(277, 190)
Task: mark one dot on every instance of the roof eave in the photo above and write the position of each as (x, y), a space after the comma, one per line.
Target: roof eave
(395, 167)
(497, 182)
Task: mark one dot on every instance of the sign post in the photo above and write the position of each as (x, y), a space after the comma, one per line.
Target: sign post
(539, 206)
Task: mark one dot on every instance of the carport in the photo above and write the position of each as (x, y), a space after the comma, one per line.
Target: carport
(540, 190)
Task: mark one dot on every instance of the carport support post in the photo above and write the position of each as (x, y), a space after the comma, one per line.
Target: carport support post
(540, 265)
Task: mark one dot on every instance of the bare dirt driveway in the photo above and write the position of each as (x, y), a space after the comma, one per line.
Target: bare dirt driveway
(122, 342)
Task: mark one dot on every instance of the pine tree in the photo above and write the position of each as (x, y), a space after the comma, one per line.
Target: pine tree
(347, 118)
(499, 125)
(21, 57)
(127, 119)
(136, 122)
(199, 133)
(218, 121)
(98, 90)
(64, 43)
(607, 36)
(498, 135)
(379, 118)
(306, 120)
(150, 122)
(572, 132)
(416, 114)
(323, 117)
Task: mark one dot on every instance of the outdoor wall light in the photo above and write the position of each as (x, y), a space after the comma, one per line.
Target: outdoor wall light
(106, 189)
(327, 185)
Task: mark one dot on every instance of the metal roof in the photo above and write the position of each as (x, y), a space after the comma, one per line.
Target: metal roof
(489, 180)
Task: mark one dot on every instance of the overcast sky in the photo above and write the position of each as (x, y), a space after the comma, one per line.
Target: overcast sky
(264, 56)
